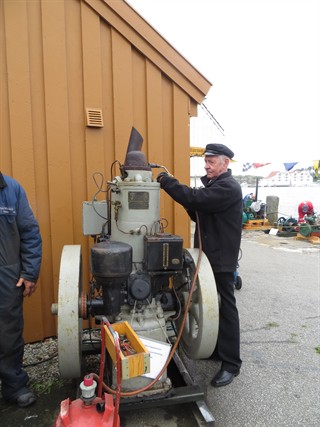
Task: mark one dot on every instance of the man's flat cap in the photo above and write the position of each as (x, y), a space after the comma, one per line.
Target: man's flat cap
(218, 150)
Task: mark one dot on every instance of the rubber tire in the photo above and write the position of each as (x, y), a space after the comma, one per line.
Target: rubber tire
(238, 284)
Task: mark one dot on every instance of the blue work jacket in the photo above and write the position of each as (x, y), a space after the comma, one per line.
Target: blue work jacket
(20, 239)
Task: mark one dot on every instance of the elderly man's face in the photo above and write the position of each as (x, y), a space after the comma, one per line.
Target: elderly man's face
(215, 165)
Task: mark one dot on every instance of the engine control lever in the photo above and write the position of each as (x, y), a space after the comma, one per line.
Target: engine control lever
(155, 165)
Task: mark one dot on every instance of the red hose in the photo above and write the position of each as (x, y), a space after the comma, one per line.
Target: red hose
(102, 360)
(118, 364)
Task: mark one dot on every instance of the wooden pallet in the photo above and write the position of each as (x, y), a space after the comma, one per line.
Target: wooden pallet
(311, 239)
(257, 224)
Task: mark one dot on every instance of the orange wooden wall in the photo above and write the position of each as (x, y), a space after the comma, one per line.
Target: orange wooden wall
(59, 58)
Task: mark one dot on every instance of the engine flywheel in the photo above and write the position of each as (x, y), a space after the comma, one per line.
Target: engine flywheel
(200, 331)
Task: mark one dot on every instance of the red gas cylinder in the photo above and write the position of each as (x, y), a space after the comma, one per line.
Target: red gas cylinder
(100, 413)
(89, 410)
(305, 208)
(77, 414)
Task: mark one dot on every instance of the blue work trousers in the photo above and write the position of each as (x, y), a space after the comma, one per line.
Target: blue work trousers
(13, 378)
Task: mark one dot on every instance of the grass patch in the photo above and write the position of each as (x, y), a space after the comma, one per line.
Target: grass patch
(317, 349)
(293, 337)
(46, 387)
(273, 325)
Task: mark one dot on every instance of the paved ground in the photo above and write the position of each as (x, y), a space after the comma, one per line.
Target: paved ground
(279, 306)
(279, 384)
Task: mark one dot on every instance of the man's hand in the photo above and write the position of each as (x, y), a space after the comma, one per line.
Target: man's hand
(29, 287)
(161, 174)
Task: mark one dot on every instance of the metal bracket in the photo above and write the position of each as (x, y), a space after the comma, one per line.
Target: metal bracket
(201, 404)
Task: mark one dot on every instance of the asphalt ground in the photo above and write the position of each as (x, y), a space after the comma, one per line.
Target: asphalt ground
(279, 306)
(279, 383)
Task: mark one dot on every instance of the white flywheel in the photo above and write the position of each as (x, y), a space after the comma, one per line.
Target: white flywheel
(200, 331)
(69, 321)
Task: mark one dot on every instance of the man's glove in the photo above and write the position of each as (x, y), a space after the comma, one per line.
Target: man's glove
(161, 174)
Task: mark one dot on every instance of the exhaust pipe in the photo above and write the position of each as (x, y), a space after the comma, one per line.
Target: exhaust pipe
(135, 159)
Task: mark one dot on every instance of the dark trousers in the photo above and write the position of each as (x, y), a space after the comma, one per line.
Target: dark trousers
(228, 344)
(12, 376)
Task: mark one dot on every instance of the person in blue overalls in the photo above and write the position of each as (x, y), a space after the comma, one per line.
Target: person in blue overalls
(20, 261)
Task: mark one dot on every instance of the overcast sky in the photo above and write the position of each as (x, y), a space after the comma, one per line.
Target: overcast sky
(263, 60)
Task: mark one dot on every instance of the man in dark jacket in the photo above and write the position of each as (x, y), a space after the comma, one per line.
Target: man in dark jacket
(20, 260)
(219, 206)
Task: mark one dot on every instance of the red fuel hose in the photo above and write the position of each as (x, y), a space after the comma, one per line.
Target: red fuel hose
(99, 378)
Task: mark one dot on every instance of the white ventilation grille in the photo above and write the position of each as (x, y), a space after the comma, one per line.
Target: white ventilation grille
(94, 118)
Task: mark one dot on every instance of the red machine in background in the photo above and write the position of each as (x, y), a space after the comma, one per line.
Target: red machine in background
(305, 208)
(308, 222)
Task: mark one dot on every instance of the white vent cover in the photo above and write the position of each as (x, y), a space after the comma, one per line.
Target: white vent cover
(94, 118)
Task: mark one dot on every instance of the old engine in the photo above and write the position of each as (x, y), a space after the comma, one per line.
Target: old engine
(308, 221)
(140, 274)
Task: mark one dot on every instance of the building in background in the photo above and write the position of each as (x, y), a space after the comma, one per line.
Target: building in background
(76, 76)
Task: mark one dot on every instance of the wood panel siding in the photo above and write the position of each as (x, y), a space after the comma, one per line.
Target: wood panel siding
(59, 58)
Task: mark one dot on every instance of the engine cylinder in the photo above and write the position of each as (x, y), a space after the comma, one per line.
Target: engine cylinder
(135, 211)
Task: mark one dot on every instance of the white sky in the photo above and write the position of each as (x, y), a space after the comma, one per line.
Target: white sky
(263, 59)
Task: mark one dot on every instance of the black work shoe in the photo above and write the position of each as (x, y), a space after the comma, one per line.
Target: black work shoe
(26, 399)
(223, 378)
